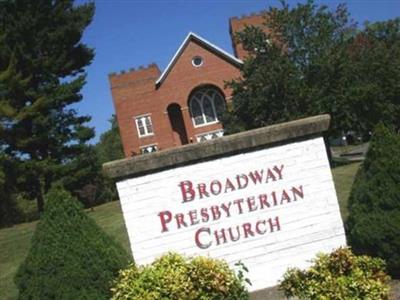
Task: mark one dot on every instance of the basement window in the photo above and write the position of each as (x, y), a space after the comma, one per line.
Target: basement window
(148, 149)
(209, 135)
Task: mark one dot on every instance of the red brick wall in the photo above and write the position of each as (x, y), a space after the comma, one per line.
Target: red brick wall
(134, 93)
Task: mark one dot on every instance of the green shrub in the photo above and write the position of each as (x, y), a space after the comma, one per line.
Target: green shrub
(70, 256)
(341, 276)
(374, 204)
(176, 277)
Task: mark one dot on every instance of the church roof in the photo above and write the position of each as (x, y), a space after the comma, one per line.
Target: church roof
(203, 42)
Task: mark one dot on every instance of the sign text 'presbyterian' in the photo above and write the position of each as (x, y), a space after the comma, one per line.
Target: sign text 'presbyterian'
(205, 236)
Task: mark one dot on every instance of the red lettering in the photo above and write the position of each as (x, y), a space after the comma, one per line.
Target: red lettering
(247, 230)
(274, 198)
(298, 192)
(180, 220)
(258, 230)
(188, 193)
(193, 217)
(202, 190)
(278, 171)
(251, 202)
(285, 197)
(238, 203)
(212, 187)
(229, 185)
(220, 236)
(226, 208)
(216, 213)
(197, 238)
(276, 224)
(165, 217)
(242, 183)
(263, 201)
(256, 177)
(270, 175)
(234, 238)
(204, 215)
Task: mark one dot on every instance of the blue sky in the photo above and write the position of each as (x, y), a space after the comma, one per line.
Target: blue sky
(131, 33)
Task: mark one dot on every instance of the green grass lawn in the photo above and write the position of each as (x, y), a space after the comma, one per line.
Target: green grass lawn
(343, 177)
(14, 241)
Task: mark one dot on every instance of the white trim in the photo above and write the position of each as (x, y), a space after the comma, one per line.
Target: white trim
(189, 37)
(201, 62)
(212, 102)
(205, 124)
(144, 126)
(209, 132)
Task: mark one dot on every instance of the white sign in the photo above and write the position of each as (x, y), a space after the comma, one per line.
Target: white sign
(271, 209)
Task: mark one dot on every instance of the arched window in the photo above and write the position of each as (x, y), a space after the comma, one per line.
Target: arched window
(206, 106)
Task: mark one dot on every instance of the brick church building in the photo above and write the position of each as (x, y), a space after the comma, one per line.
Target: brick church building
(182, 104)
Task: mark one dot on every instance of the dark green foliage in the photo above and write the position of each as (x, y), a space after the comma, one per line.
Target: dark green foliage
(88, 184)
(109, 147)
(341, 276)
(42, 65)
(8, 210)
(373, 94)
(175, 277)
(70, 256)
(374, 204)
(294, 71)
(314, 61)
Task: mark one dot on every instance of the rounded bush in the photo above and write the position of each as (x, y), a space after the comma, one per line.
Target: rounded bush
(374, 204)
(340, 275)
(70, 256)
(176, 277)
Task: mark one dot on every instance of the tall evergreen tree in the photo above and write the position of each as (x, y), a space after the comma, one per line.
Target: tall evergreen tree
(42, 63)
(374, 202)
(109, 147)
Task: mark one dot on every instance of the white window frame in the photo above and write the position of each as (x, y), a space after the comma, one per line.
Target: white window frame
(197, 57)
(205, 123)
(146, 131)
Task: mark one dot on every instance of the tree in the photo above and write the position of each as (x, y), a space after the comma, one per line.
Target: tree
(374, 203)
(88, 182)
(41, 74)
(109, 147)
(70, 256)
(374, 92)
(311, 60)
(294, 68)
(8, 209)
